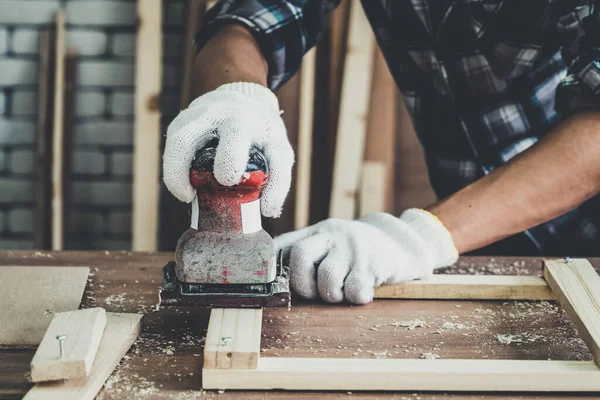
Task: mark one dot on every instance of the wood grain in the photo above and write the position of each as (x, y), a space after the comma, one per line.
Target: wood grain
(352, 125)
(120, 333)
(577, 286)
(82, 330)
(469, 287)
(372, 188)
(233, 338)
(146, 135)
(30, 295)
(391, 375)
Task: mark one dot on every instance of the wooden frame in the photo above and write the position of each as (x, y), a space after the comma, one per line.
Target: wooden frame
(232, 353)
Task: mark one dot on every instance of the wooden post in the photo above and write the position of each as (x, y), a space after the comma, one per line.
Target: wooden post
(146, 137)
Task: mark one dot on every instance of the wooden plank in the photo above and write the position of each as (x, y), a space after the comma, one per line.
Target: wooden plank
(233, 338)
(409, 374)
(195, 16)
(82, 330)
(43, 145)
(146, 135)
(372, 188)
(381, 125)
(305, 132)
(352, 125)
(120, 333)
(577, 286)
(469, 287)
(30, 295)
(58, 135)
(68, 135)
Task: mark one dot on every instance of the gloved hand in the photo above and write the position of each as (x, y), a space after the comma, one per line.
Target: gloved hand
(240, 114)
(342, 259)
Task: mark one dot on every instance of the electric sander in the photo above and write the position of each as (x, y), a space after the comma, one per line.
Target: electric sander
(225, 259)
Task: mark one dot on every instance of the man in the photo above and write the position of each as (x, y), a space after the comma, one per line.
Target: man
(503, 95)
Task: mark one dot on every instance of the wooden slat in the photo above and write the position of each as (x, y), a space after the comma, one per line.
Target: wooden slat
(352, 125)
(58, 135)
(404, 374)
(469, 287)
(120, 333)
(30, 295)
(69, 135)
(577, 286)
(195, 15)
(43, 151)
(82, 330)
(146, 155)
(233, 338)
(305, 131)
(372, 188)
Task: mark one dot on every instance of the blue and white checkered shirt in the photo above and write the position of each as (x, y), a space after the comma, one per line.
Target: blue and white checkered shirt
(482, 79)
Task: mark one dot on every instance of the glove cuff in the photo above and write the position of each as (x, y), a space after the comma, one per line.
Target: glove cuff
(253, 91)
(433, 231)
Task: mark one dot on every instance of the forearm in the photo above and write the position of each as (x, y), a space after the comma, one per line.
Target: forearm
(231, 55)
(554, 176)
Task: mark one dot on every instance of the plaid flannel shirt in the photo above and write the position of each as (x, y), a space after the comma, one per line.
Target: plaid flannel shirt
(482, 79)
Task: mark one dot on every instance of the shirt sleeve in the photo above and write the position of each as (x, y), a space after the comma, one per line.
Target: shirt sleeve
(580, 36)
(285, 30)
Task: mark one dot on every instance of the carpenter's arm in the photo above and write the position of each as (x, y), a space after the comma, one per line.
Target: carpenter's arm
(554, 176)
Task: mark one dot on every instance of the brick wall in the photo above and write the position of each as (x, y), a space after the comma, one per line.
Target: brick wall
(103, 34)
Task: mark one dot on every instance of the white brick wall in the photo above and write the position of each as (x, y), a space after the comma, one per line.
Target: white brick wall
(27, 12)
(122, 104)
(123, 44)
(21, 220)
(25, 41)
(16, 132)
(2, 103)
(21, 161)
(90, 103)
(122, 164)
(24, 103)
(104, 133)
(101, 12)
(3, 41)
(101, 193)
(89, 162)
(17, 71)
(87, 43)
(15, 190)
(105, 73)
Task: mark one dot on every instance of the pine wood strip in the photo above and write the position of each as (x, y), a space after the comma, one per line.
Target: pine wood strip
(82, 330)
(146, 135)
(68, 135)
(30, 295)
(58, 135)
(305, 132)
(577, 286)
(354, 105)
(120, 333)
(469, 287)
(372, 188)
(195, 16)
(233, 338)
(404, 374)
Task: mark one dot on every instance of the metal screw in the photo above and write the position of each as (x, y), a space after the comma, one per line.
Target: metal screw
(226, 341)
(61, 344)
(567, 259)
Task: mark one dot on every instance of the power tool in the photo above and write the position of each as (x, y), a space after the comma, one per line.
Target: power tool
(226, 259)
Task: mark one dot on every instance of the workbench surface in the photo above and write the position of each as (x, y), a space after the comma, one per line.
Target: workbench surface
(166, 360)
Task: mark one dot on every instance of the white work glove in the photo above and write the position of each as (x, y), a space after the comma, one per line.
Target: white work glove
(340, 259)
(240, 114)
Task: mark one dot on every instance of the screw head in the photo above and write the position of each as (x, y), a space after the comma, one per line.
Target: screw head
(61, 337)
(226, 341)
(567, 259)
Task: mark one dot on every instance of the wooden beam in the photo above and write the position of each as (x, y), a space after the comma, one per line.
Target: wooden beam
(30, 295)
(404, 374)
(354, 105)
(576, 284)
(233, 338)
(146, 135)
(195, 15)
(82, 330)
(372, 188)
(469, 287)
(305, 132)
(43, 149)
(120, 333)
(58, 135)
(68, 135)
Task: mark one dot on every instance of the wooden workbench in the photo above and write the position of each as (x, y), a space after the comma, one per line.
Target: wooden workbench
(166, 360)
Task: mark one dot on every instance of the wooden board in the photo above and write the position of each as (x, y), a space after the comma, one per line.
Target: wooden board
(429, 375)
(146, 136)
(472, 287)
(68, 135)
(120, 333)
(305, 132)
(372, 188)
(58, 135)
(30, 295)
(195, 16)
(43, 145)
(352, 125)
(233, 338)
(577, 287)
(82, 330)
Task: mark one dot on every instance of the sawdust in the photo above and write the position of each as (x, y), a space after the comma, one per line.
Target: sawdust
(493, 267)
(519, 338)
(116, 300)
(429, 356)
(410, 325)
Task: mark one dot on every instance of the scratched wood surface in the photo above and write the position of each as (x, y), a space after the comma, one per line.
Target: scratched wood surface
(166, 361)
